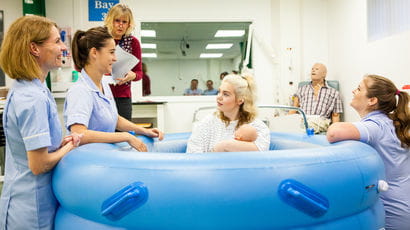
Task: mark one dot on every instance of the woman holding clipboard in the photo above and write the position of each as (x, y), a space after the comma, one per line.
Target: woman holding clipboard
(120, 23)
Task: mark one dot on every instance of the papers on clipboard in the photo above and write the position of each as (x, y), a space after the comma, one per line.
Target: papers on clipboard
(125, 62)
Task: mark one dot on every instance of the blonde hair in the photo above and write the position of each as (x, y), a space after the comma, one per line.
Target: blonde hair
(15, 57)
(119, 10)
(245, 89)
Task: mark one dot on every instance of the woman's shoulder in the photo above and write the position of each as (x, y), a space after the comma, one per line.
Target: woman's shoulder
(259, 125)
(133, 39)
(258, 122)
(210, 119)
(28, 91)
(79, 89)
(377, 117)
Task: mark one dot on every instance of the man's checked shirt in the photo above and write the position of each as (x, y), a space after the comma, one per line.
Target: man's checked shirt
(327, 102)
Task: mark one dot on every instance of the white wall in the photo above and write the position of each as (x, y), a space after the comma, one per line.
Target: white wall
(12, 11)
(352, 56)
(299, 37)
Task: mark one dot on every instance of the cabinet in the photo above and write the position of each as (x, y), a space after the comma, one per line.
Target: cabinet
(149, 112)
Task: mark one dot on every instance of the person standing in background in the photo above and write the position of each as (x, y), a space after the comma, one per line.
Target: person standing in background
(146, 82)
(34, 143)
(120, 24)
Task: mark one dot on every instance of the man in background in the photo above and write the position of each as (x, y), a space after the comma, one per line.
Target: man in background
(318, 98)
(193, 90)
(210, 88)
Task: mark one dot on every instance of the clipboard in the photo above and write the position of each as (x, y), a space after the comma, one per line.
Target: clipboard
(125, 62)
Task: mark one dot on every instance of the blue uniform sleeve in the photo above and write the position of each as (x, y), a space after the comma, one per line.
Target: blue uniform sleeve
(369, 131)
(78, 106)
(32, 120)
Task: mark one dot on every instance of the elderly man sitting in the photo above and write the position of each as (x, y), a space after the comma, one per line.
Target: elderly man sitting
(317, 98)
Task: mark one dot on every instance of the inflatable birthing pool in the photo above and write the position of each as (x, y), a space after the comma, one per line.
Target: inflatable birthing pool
(303, 182)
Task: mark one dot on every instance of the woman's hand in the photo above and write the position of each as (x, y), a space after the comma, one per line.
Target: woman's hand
(128, 77)
(234, 146)
(222, 146)
(136, 143)
(75, 138)
(154, 132)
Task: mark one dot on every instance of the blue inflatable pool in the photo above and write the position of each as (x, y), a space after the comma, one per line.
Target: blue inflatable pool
(303, 182)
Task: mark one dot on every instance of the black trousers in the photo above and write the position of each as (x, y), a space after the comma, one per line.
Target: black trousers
(124, 107)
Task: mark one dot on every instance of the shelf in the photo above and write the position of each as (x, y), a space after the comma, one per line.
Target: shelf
(149, 112)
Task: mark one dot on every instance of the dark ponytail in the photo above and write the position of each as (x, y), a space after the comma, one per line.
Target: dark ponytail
(396, 108)
(84, 41)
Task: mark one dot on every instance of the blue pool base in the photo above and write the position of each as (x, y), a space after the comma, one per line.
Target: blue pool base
(302, 182)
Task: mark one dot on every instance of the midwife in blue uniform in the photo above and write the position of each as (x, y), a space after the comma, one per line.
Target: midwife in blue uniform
(34, 145)
(385, 125)
(90, 107)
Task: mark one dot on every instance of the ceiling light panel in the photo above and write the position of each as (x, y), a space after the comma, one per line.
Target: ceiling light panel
(148, 45)
(230, 33)
(148, 33)
(149, 55)
(219, 46)
(211, 55)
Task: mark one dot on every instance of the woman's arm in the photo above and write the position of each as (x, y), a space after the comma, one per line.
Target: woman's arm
(91, 136)
(335, 117)
(295, 104)
(137, 52)
(234, 146)
(340, 131)
(41, 161)
(126, 125)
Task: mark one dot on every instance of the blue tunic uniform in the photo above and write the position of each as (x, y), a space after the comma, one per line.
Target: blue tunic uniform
(85, 104)
(30, 122)
(377, 130)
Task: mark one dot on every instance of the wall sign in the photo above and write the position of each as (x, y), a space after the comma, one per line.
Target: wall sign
(98, 9)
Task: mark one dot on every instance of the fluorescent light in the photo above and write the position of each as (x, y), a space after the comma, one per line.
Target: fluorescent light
(149, 55)
(219, 46)
(210, 55)
(148, 33)
(230, 33)
(148, 45)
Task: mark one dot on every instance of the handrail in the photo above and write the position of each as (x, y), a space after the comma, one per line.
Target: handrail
(309, 131)
(194, 119)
